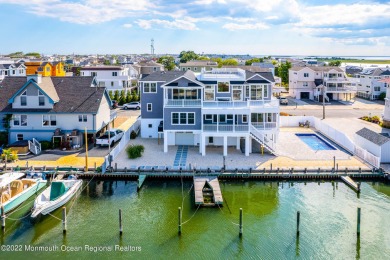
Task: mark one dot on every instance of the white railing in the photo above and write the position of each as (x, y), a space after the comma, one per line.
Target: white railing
(341, 89)
(183, 103)
(265, 125)
(262, 138)
(246, 104)
(225, 128)
(37, 145)
(34, 146)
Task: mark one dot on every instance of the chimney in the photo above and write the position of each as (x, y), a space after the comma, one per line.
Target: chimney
(36, 77)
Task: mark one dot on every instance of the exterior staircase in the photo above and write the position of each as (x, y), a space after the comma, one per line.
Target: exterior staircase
(262, 139)
(34, 146)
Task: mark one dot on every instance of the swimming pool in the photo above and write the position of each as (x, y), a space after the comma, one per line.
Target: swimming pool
(315, 142)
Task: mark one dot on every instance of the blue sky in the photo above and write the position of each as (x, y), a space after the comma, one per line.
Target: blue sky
(257, 27)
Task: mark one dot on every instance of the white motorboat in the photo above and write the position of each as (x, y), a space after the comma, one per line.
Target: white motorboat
(9, 177)
(55, 196)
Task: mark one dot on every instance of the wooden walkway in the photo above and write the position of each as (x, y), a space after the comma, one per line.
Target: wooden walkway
(199, 183)
(351, 183)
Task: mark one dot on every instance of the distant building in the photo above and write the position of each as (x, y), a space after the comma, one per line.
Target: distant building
(198, 65)
(46, 69)
(265, 65)
(147, 67)
(370, 84)
(12, 70)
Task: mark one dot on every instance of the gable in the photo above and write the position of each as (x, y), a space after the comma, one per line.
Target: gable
(258, 79)
(183, 82)
(32, 88)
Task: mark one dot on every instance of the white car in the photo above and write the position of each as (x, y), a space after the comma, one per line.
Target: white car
(134, 105)
(109, 138)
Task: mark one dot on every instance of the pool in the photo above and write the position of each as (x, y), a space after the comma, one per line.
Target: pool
(315, 142)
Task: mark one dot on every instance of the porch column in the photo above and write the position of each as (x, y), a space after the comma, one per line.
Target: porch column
(204, 145)
(238, 143)
(225, 146)
(250, 144)
(200, 143)
(247, 145)
(165, 141)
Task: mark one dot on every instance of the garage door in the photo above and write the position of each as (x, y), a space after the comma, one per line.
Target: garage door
(184, 139)
(305, 95)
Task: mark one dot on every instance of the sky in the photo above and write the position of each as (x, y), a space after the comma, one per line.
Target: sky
(255, 27)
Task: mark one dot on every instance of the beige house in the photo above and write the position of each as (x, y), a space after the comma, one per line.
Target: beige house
(198, 65)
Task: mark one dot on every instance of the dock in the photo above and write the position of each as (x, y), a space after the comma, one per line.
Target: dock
(207, 186)
(351, 183)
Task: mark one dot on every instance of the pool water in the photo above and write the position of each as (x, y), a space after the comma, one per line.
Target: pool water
(315, 142)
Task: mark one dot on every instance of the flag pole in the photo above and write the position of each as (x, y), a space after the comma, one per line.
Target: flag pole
(86, 150)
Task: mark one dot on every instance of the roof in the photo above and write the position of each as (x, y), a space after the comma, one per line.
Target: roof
(372, 136)
(315, 68)
(248, 68)
(165, 76)
(75, 95)
(101, 68)
(267, 75)
(148, 64)
(48, 87)
(199, 63)
(266, 65)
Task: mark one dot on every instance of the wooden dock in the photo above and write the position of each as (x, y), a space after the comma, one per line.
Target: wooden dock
(351, 183)
(202, 183)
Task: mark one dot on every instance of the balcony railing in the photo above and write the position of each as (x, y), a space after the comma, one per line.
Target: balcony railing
(340, 89)
(183, 103)
(225, 128)
(265, 125)
(243, 104)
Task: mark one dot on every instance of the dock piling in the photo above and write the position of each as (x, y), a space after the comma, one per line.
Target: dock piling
(358, 221)
(241, 229)
(5, 163)
(334, 162)
(2, 218)
(64, 220)
(120, 223)
(180, 220)
(298, 219)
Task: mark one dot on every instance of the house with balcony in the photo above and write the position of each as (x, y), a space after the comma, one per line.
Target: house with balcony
(370, 82)
(311, 82)
(53, 108)
(114, 78)
(12, 70)
(222, 107)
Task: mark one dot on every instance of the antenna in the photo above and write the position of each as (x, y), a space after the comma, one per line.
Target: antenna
(152, 47)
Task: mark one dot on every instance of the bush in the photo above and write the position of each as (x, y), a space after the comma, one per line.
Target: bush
(382, 96)
(46, 145)
(375, 119)
(133, 135)
(11, 155)
(135, 151)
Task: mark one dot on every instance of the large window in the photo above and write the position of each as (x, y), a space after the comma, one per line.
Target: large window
(209, 93)
(20, 120)
(150, 87)
(184, 94)
(23, 98)
(237, 93)
(183, 118)
(83, 118)
(223, 87)
(49, 120)
(114, 74)
(256, 92)
(305, 75)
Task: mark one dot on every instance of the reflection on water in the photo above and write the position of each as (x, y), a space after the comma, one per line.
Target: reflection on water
(327, 223)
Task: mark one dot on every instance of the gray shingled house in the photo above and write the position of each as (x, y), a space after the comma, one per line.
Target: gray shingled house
(375, 143)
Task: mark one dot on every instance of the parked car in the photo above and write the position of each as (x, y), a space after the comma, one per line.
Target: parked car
(110, 137)
(114, 104)
(133, 105)
(283, 101)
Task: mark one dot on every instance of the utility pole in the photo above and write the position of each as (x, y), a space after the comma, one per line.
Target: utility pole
(323, 101)
(152, 47)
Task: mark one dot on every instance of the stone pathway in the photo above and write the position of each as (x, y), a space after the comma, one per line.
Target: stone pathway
(181, 156)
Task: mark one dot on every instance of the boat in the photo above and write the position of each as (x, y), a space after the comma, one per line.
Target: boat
(8, 177)
(208, 195)
(19, 190)
(55, 196)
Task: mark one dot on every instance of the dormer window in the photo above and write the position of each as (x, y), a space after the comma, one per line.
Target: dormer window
(23, 98)
(41, 98)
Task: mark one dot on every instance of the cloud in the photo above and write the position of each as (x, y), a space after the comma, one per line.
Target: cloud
(245, 26)
(175, 24)
(127, 25)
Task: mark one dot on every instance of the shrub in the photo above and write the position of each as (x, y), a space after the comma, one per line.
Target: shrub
(133, 135)
(46, 145)
(382, 96)
(135, 151)
(284, 114)
(375, 119)
(11, 155)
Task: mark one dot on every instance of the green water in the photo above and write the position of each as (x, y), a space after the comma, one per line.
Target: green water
(327, 231)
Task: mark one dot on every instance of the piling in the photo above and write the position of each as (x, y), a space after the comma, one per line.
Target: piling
(63, 220)
(120, 223)
(2, 218)
(5, 163)
(298, 219)
(179, 220)
(358, 221)
(271, 166)
(116, 167)
(240, 234)
(334, 162)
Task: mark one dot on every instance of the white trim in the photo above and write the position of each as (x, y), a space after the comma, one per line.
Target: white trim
(19, 120)
(179, 113)
(201, 85)
(149, 82)
(246, 121)
(223, 82)
(49, 125)
(147, 107)
(260, 77)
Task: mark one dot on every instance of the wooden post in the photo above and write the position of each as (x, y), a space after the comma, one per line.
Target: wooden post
(358, 186)
(271, 166)
(240, 234)
(298, 218)
(180, 220)
(120, 223)
(2, 218)
(94, 167)
(358, 221)
(63, 220)
(5, 163)
(334, 162)
(86, 149)
(116, 167)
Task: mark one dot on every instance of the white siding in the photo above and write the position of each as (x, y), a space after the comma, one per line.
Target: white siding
(150, 132)
(103, 115)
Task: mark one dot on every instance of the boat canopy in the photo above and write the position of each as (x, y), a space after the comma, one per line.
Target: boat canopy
(57, 190)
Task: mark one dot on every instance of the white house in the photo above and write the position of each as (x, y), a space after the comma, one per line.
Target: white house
(374, 143)
(370, 85)
(12, 70)
(112, 77)
(308, 83)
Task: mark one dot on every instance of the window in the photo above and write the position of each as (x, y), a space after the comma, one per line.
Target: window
(305, 84)
(223, 87)
(208, 117)
(20, 120)
(305, 75)
(154, 69)
(13, 72)
(114, 74)
(377, 88)
(49, 120)
(222, 118)
(41, 101)
(150, 87)
(188, 68)
(23, 98)
(149, 107)
(195, 68)
(244, 118)
(229, 117)
(83, 118)
(237, 93)
(209, 93)
(184, 69)
(339, 75)
(102, 84)
(150, 125)
(19, 137)
(211, 140)
(112, 83)
(93, 74)
(183, 118)
(47, 69)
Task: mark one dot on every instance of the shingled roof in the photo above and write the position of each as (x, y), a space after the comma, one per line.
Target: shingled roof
(75, 95)
(372, 136)
(163, 76)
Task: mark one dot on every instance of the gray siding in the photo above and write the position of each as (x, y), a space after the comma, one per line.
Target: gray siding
(168, 120)
(156, 99)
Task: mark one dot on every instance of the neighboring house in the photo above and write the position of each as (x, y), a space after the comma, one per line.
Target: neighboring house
(46, 69)
(147, 67)
(247, 68)
(198, 65)
(308, 82)
(265, 65)
(386, 112)
(370, 85)
(12, 70)
(353, 70)
(223, 107)
(41, 106)
(112, 77)
(375, 143)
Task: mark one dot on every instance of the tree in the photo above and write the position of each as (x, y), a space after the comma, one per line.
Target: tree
(116, 96)
(129, 97)
(187, 56)
(336, 63)
(283, 71)
(203, 58)
(35, 54)
(229, 62)
(167, 61)
(111, 95)
(106, 62)
(18, 54)
(122, 98)
(135, 96)
(382, 96)
(250, 61)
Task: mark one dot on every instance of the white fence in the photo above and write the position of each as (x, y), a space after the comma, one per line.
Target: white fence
(335, 135)
(121, 145)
